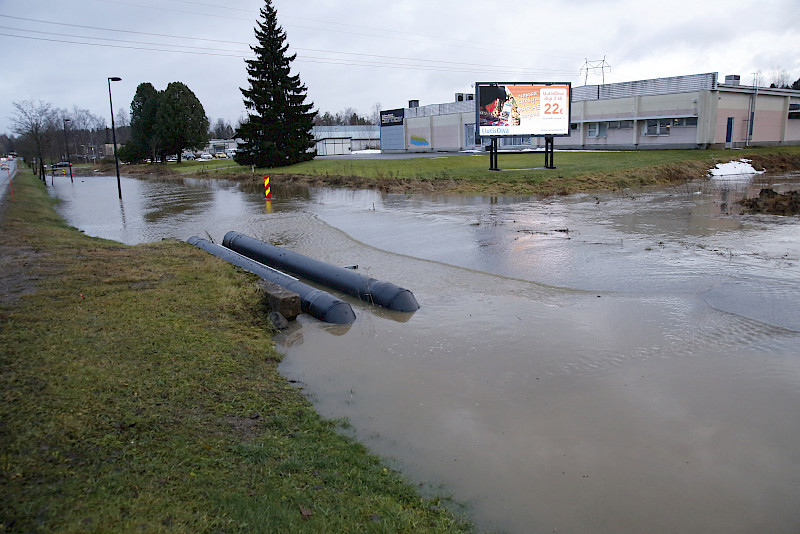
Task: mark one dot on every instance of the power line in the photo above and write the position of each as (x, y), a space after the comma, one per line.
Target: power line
(195, 38)
(381, 32)
(237, 53)
(116, 30)
(154, 47)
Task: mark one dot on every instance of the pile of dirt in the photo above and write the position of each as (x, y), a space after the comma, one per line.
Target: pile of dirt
(769, 201)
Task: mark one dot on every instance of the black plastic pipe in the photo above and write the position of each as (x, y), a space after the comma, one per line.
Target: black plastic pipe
(347, 281)
(313, 301)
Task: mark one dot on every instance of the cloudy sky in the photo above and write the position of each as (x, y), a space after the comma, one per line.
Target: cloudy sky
(359, 53)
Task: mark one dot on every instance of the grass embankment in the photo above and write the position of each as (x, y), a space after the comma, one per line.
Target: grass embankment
(140, 394)
(458, 173)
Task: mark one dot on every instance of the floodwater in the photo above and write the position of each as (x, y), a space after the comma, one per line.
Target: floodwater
(625, 362)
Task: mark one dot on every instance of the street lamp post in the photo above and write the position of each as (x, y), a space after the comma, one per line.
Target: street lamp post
(66, 142)
(114, 131)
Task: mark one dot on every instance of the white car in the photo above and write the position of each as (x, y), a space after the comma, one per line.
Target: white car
(206, 155)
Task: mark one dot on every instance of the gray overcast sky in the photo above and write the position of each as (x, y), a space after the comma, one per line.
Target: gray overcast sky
(357, 53)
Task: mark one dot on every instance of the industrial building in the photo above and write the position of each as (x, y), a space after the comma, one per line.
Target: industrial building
(341, 140)
(694, 111)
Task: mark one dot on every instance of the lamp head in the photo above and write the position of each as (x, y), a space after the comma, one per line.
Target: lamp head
(114, 79)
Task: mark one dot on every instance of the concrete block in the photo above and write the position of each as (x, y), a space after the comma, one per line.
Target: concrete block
(281, 300)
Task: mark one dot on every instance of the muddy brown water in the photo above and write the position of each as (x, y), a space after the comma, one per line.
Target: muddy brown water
(597, 363)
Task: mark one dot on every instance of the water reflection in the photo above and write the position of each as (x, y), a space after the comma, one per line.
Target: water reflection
(616, 362)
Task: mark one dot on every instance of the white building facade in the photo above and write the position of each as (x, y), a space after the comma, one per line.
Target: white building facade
(694, 111)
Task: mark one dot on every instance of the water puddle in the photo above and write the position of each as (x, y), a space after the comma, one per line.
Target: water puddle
(616, 362)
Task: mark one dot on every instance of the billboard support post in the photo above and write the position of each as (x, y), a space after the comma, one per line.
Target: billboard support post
(548, 152)
(493, 150)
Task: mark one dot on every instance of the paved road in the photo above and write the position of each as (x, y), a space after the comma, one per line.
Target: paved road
(6, 175)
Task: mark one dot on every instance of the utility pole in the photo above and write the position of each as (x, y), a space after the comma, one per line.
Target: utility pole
(596, 64)
(751, 116)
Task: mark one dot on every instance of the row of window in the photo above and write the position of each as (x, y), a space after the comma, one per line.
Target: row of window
(653, 127)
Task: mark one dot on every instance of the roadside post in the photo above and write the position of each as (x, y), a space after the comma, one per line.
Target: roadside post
(268, 194)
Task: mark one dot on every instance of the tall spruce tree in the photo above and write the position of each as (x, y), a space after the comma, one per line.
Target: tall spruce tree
(145, 139)
(277, 129)
(181, 120)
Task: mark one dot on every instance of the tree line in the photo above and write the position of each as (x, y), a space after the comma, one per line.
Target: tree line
(348, 117)
(276, 131)
(47, 133)
(51, 134)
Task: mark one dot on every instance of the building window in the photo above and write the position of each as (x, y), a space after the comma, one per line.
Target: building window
(620, 125)
(596, 129)
(516, 140)
(684, 122)
(794, 111)
(574, 126)
(657, 126)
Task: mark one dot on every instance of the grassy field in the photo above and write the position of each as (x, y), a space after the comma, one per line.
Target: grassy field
(140, 393)
(523, 173)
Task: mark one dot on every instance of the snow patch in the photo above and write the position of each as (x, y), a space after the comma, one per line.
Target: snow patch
(739, 168)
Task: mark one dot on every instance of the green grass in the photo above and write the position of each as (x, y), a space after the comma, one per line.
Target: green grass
(570, 164)
(576, 171)
(140, 393)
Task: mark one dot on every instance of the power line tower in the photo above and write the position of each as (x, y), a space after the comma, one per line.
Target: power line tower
(597, 64)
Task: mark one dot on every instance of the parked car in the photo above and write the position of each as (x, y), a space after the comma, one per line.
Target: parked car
(221, 155)
(188, 156)
(206, 155)
(172, 158)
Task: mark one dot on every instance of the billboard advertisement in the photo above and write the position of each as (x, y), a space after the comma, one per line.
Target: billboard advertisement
(392, 117)
(537, 109)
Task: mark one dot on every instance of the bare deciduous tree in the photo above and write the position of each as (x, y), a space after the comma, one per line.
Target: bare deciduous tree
(35, 121)
(222, 130)
(376, 113)
(779, 78)
(86, 132)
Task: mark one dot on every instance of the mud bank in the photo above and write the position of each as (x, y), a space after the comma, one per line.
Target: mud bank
(768, 201)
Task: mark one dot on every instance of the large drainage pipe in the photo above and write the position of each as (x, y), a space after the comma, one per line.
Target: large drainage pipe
(358, 285)
(313, 301)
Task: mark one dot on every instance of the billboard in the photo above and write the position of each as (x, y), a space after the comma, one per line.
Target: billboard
(537, 109)
(392, 117)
